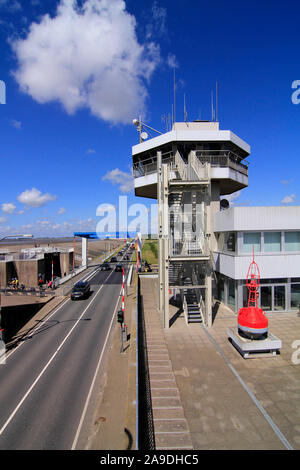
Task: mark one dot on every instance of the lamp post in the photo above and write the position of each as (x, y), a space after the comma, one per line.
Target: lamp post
(140, 128)
(26, 235)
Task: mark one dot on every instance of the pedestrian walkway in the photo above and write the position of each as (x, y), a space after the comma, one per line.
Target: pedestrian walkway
(225, 401)
(170, 425)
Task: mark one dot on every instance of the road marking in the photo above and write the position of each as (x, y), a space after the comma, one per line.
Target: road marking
(47, 318)
(37, 327)
(48, 363)
(93, 381)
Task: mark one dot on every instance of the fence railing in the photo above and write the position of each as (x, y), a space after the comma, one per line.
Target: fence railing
(198, 167)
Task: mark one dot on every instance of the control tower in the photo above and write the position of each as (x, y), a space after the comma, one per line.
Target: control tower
(188, 170)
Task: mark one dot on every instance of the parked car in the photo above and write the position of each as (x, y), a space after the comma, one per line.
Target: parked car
(105, 267)
(80, 290)
(119, 268)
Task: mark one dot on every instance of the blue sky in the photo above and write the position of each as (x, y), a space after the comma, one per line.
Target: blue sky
(77, 73)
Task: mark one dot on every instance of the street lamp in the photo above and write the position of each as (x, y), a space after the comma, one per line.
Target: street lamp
(26, 235)
(140, 125)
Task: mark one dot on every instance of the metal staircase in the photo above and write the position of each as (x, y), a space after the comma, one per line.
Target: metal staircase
(191, 305)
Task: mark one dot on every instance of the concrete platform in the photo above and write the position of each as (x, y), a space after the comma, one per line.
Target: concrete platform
(250, 348)
(227, 403)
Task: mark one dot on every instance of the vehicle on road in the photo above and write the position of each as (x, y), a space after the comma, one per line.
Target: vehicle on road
(114, 259)
(105, 267)
(146, 267)
(119, 268)
(80, 290)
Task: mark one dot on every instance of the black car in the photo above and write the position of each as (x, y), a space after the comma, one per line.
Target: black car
(80, 290)
(105, 267)
(114, 259)
(147, 267)
(119, 268)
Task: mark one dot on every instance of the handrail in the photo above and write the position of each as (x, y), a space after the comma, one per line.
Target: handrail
(181, 166)
(215, 158)
(185, 309)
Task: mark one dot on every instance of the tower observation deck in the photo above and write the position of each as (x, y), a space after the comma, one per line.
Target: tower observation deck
(188, 170)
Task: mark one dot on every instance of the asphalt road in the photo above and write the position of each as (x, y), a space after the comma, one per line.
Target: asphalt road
(50, 381)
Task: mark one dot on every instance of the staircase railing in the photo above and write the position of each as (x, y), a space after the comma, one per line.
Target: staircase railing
(181, 166)
(200, 169)
(185, 310)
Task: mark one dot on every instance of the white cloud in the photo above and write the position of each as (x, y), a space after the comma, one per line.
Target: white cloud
(61, 210)
(20, 212)
(34, 198)
(12, 6)
(16, 124)
(172, 61)
(288, 199)
(8, 207)
(88, 57)
(102, 208)
(124, 180)
(157, 23)
(90, 151)
(3, 220)
(43, 222)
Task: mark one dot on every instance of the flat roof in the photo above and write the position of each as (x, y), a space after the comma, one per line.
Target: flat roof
(196, 132)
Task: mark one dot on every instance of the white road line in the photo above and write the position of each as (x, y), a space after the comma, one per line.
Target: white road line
(47, 318)
(48, 363)
(93, 381)
(37, 328)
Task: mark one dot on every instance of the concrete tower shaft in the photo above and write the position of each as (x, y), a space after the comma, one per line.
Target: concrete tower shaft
(187, 170)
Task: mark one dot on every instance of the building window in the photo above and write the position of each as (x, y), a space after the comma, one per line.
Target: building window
(292, 241)
(221, 288)
(272, 241)
(266, 298)
(250, 240)
(279, 298)
(230, 241)
(295, 296)
(231, 292)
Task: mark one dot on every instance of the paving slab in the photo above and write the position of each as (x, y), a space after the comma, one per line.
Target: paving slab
(228, 402)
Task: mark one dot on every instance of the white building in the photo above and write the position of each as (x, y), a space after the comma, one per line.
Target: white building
(274, 232)
(188, 170)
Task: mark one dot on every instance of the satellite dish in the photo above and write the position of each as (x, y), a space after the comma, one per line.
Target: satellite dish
(224, 204)
(144, 135)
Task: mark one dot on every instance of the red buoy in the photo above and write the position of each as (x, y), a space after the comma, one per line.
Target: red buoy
(252, 322)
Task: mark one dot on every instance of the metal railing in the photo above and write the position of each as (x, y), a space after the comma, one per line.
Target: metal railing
(183, 247)
(222, 159)
(198, 166)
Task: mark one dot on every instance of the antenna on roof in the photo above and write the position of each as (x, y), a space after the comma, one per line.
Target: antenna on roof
(212, 106)
(174, 97)
(217, 101)
(184, 112)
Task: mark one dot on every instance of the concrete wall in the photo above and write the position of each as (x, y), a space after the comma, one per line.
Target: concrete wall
(27, 271)
(65, 260)
(3, 279)
(271, 266)
(257, 219)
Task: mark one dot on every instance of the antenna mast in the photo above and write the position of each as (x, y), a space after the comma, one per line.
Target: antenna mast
(217, 101)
